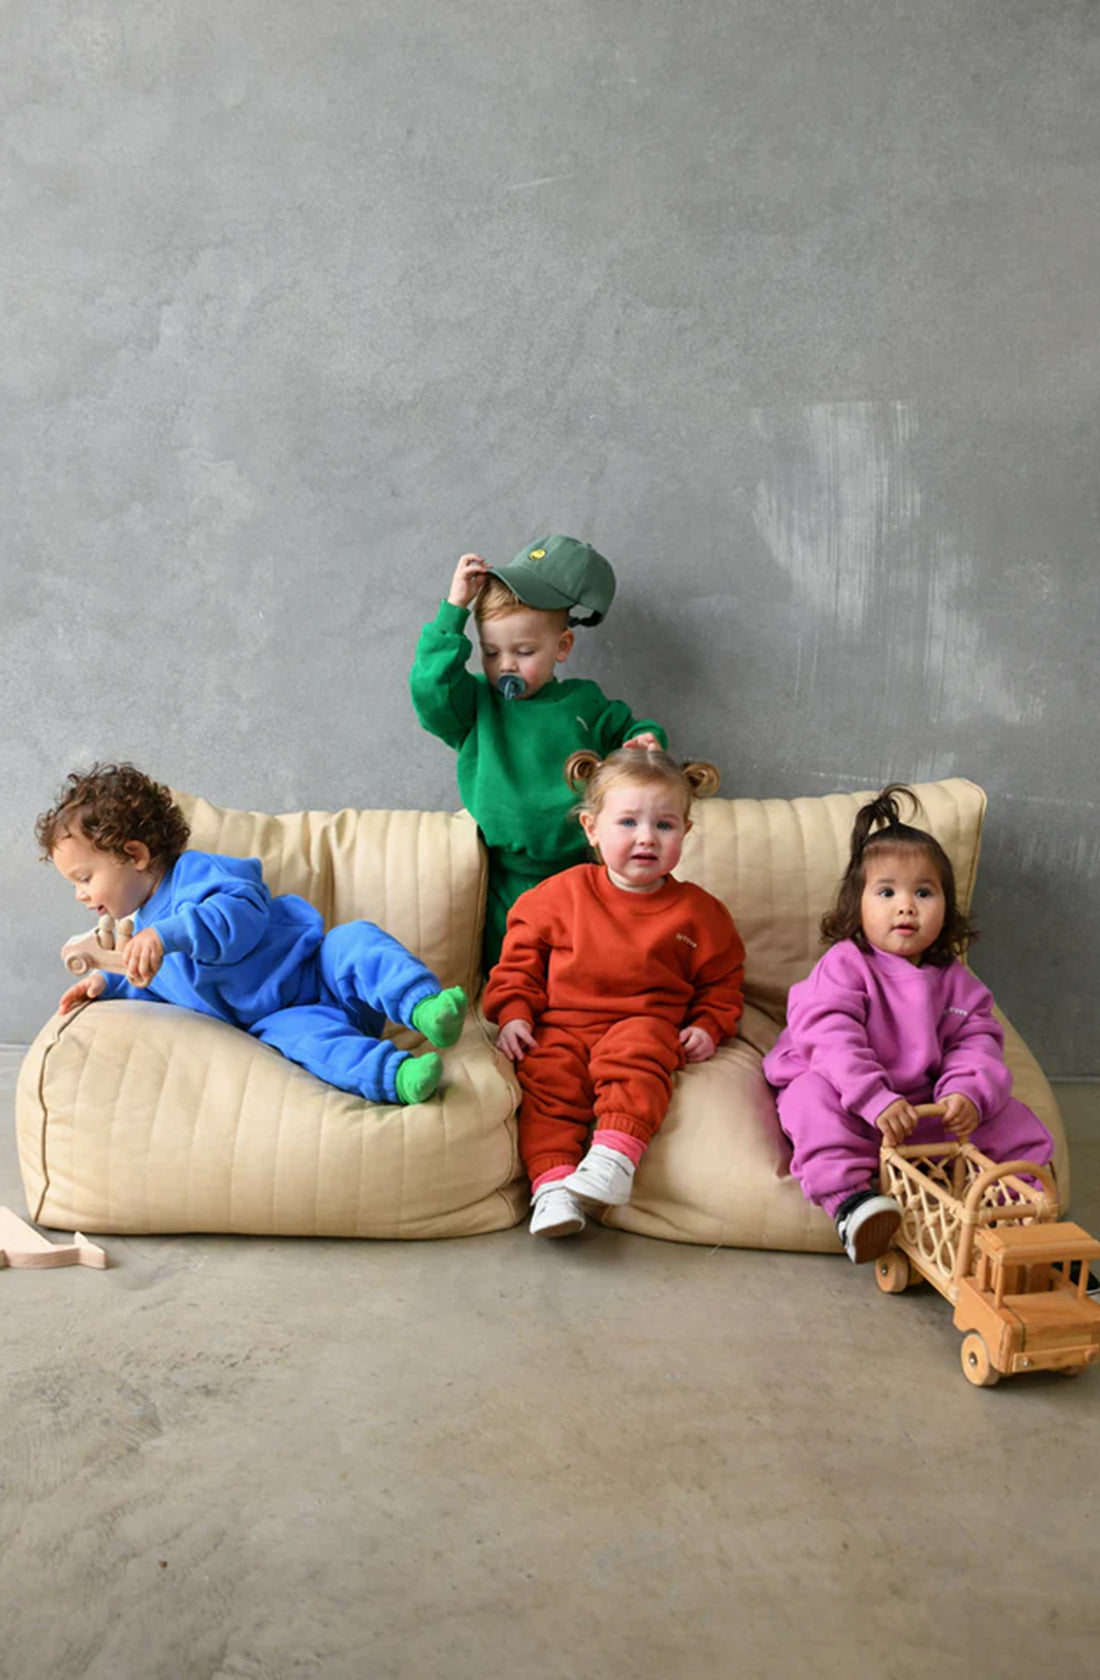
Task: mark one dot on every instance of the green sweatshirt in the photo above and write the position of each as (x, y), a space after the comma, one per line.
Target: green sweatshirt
(511, 754)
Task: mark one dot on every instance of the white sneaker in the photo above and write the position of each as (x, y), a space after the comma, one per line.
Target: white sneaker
(604, 1178)
(556, 1212)
(866, 1224)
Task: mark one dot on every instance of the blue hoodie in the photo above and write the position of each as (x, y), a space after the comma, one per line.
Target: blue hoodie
(231, 949)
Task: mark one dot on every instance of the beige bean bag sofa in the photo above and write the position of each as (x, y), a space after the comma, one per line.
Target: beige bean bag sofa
(140, 1117)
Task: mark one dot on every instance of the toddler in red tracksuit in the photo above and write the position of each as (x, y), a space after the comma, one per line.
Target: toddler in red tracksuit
(612, 976)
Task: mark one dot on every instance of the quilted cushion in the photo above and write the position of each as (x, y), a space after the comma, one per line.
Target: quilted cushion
(141, 1117)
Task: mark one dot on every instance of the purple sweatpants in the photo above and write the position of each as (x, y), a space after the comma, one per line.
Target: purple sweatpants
(836, 1153)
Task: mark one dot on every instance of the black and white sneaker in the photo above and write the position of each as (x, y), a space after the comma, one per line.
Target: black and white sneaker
(866, 1224)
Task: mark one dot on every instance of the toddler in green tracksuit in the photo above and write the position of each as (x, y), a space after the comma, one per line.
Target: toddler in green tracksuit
(515, 726)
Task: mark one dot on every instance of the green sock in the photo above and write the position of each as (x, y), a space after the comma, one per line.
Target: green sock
(440, 1017)
(418, 1076)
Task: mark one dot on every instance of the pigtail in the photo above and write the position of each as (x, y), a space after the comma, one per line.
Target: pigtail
(591, 776)
(702, 777)
(580, 767)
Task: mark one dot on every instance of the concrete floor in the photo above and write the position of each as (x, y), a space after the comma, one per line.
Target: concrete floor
(234, 1459)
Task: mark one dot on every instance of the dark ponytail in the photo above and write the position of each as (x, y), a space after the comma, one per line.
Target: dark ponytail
(883, 812)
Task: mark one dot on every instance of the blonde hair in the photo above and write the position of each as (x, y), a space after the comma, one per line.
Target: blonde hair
(496, 600)
(594, 778)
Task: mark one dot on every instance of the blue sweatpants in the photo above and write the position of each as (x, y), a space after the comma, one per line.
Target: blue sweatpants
(360, 978)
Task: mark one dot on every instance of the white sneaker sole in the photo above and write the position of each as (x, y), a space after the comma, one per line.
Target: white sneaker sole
(561, 1219)
(570, 1225)
(874, 1236)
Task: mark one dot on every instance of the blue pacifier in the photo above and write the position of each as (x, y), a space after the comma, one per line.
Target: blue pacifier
(511, 686)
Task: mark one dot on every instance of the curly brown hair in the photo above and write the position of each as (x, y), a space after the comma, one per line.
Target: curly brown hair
(111, 804)
(844, 920)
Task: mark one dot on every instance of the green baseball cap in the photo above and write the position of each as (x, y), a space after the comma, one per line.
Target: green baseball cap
(556, 572)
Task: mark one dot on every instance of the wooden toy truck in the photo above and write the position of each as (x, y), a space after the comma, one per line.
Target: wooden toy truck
(103, 948)
(990, 1240)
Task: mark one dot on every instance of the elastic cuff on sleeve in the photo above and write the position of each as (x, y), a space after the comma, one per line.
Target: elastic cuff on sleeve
(173, 933)
(709, 1026)
(450, 617)
(647, 727)
(871, 1110)
(513, 1012)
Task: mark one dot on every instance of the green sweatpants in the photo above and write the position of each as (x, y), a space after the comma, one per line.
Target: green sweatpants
(512, 873)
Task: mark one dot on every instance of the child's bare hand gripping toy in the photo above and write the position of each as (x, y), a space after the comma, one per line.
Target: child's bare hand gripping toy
(888, 1022)
(87, 953)
(210, 936)
(144, 955)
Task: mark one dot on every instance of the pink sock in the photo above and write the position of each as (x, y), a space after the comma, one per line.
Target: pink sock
(549, 1176)
(626, 1144)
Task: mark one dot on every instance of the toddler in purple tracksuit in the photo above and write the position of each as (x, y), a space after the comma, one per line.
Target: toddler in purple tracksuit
(890, 1018)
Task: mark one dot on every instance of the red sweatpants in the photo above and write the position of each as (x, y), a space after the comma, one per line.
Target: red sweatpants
(621, 1074)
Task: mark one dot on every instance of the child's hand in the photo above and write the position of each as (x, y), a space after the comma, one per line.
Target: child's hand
(85, 991)
(144, 955)
(960, 1117)
(698, 1044)
(515, 1039)
(467, 583)
(897, 1121)
(648, 742)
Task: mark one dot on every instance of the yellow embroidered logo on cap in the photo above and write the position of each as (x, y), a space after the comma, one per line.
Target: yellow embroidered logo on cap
(537, 554)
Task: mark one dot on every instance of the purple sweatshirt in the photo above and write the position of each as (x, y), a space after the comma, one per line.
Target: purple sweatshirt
(878, 1027)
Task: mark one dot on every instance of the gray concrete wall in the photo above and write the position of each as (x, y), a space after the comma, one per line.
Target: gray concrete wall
(791, 306)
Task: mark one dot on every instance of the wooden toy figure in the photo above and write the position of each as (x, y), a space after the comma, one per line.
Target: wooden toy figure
(103, 948)
(988, 1237)
(22, 1245)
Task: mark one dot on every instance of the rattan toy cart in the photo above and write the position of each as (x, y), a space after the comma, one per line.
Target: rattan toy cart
(989, 1239)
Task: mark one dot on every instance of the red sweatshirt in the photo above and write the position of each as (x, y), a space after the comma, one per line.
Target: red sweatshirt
(580, 950)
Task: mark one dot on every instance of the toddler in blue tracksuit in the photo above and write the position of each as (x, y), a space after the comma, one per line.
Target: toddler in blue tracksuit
(210, 936)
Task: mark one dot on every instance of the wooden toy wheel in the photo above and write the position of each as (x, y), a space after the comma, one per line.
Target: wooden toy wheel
(892, 1272)
(975, 1362)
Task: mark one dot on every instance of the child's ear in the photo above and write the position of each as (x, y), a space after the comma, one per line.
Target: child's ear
(588, 823)
(565, 646)
(138, 853)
